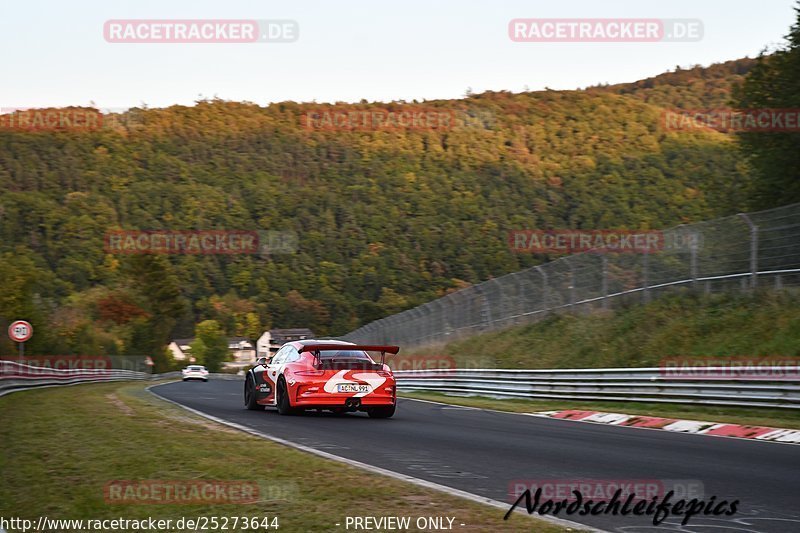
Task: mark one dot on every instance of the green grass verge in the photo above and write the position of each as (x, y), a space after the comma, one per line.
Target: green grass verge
(61, 446)
(725, 325)
(780, 418)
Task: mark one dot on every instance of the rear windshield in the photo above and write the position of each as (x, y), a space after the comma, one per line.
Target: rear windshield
(196, 367)
(358, 355)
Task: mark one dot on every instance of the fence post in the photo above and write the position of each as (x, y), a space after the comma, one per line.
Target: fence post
(605, 281)
(520, 308)
(486, 309)
(571, 285)
(441, 320)
(753, 250)
(646, 276)
(545, 294)
(424, 325)
(693, 260)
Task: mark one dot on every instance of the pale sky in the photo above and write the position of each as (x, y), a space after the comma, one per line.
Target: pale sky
(54, 52)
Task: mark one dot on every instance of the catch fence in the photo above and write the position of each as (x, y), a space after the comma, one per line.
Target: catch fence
(741, 252)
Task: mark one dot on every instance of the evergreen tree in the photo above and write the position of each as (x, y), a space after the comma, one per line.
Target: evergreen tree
(774, 83)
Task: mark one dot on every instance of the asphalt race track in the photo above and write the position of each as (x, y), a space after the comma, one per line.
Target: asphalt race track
(482, 452)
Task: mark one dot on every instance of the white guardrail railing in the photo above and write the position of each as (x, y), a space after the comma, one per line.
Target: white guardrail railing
(15, 376)
(772, 387)
(18, 376)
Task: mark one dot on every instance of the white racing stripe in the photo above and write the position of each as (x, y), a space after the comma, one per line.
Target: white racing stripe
(373, 379)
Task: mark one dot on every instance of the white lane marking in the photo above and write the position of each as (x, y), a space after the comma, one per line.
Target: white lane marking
(378, 470)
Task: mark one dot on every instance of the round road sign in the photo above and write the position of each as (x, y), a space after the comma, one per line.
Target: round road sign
(20, 331)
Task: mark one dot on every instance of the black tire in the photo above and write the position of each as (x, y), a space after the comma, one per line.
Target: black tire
(250, 395)
(282, 399)
(386, 411)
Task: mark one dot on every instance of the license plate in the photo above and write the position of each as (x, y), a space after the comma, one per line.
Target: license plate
(353, 387)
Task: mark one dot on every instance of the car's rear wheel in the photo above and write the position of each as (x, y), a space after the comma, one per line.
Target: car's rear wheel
(384, 411)
(250, 395)
(282, 399)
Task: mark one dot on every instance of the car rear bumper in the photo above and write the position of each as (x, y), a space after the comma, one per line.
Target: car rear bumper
(339, 400)
(321, 393)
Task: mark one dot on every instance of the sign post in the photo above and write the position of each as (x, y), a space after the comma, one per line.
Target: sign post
(20, 331)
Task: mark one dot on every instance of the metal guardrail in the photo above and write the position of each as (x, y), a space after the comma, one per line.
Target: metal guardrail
(15, 376)
(615, 384)
(212, 375)
(18, 376)
(610, 384)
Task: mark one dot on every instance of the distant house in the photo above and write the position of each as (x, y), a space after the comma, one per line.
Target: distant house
(241, 349)
(271, 341)
(181, 350)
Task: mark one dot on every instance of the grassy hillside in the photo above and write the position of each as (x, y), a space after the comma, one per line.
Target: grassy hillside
(385, 219)
(728, 325)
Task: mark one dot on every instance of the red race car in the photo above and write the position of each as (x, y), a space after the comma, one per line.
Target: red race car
(323, 375)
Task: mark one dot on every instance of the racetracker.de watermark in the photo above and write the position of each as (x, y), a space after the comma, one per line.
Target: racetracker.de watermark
(199, 31)
(433, 364)
(751, 368)
(732, 120)
(194, 492)
(379, 119)
(200, 242)
(61, 365)
(570, 241)
(422, 362)
(604, 489)
(613, 30)
(50, 119)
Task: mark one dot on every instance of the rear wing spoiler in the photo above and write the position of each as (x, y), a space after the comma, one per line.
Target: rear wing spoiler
(315, 348)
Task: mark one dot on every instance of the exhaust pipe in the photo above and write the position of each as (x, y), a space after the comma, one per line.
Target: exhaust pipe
(352, 403)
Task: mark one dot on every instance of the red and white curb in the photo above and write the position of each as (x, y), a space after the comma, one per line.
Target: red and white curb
(786, 436)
